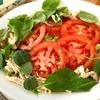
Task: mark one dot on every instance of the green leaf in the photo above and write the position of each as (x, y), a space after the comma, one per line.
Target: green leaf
(48, 13)
(97, 67)
(50, 38)
(50, 4)
(2, 61)
(21, 26)
(1, 2)
(87, 17)
(66, 79)
(21, 57)
(3, 34)
(63, 12)
(6, 50)
(31, 83)
(56, 18)
(39, 17)
(26, 68)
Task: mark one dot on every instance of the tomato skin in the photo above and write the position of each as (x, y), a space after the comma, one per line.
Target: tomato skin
(34, 38)
(53, 28)
(49, 51)
(78, 49)
(79, 27)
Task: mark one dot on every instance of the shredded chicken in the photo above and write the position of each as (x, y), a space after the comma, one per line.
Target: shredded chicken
(12, 40)
(13, 67)
(42, 89)
(85, 73)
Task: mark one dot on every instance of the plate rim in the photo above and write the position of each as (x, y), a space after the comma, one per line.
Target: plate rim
(23, 7)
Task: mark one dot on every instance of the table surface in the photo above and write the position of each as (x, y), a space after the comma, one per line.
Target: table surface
(97, 2)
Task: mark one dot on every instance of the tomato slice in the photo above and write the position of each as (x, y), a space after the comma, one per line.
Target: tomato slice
(47, 57)
(78, 49)
(53, 28)
(34, 38)
(78, 27)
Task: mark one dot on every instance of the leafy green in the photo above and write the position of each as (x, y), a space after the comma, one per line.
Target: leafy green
(26, 68)
(50, 38)
(97, 67)
(21, 57)
(66, 79)
(87, 17)
(31, 83)
(59, 13)
(3, 34)
(6, 50)
(2, 61)
(1, 2)
(56, 18)
(21, 26)
(50, 4)
(63, 12)
(48, 13)
(39, 17)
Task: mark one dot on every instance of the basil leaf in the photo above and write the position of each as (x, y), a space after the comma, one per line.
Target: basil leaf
(31, 83)
(65, 79)
(87, 17)
(39, 17)
(48, 13)
(97, 67)
(63, 12)
(21, 26)
(20, 57)
(2, 61)
(26, 68)
(1, 2)
(50, 4)
(56, 18)
(50, 38)
(6, 50)
(3, 34)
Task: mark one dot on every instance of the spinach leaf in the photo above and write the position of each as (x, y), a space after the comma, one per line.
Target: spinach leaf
(31, 83)
(6, 50)
(26, 68)
(1, 2)
(50, 4)
(48, 13)
(3, 34)
(39, 17)
(97, 67)
(56, 18)
(2, 61)
(21, 26)
(87, 17)
(66, 79)
(50, 38)
(20, 57)
(63, 12)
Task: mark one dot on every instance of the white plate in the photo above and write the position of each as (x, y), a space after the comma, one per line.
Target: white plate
(19, 93)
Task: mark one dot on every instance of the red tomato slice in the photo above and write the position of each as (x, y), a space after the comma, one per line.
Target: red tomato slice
(47, 57)
(78, 49)
(34, 38)
(78, 27)
(53, 28)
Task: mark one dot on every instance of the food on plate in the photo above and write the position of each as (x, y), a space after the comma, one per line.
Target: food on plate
(52, 50)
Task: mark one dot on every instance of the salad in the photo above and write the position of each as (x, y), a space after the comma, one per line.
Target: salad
(52, 50)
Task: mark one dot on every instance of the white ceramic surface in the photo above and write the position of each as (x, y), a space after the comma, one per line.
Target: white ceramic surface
(19, 93)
